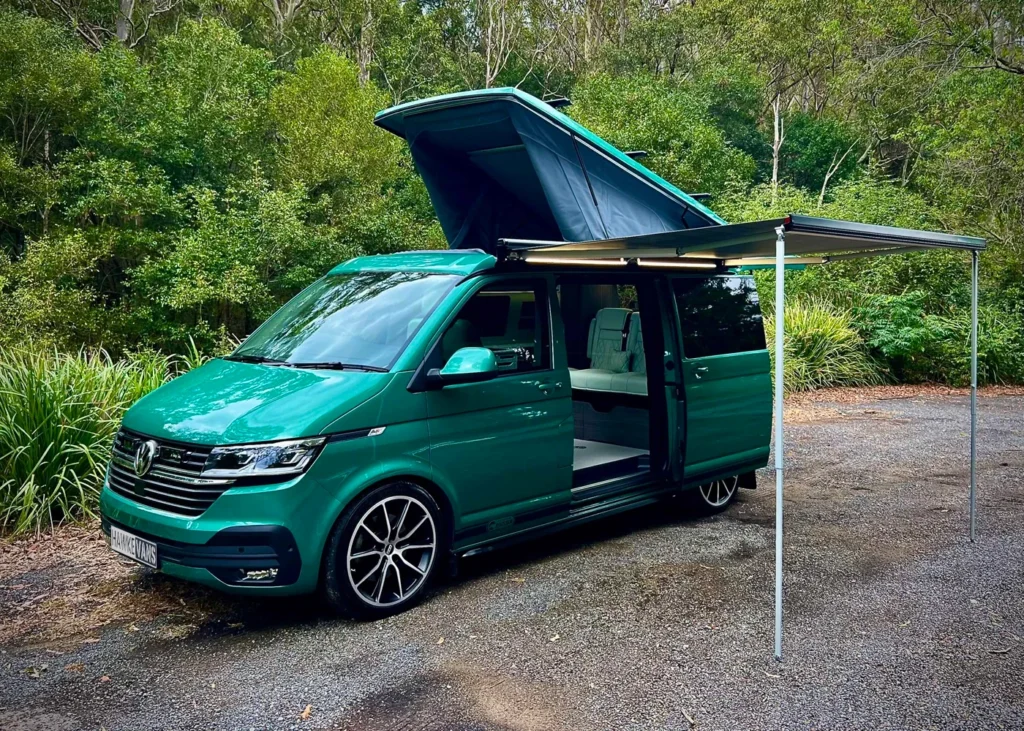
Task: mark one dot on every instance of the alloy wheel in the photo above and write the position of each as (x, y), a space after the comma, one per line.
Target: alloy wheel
(719, 492)
(391, 551)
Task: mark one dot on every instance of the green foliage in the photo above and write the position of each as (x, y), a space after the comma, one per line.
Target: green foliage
(898, 328)
(823, 348)
(45, 84)
(923, 346)
(58, 415)
(669, 120)
(177, 171)
(201, 190)
(814, 148)
(324, 118)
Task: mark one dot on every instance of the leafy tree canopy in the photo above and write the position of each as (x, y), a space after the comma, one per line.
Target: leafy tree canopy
(176, 169)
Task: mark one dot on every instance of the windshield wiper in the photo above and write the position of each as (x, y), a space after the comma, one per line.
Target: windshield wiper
(253, 359)
(338, 366)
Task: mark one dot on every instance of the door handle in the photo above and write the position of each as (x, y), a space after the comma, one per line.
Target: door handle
(699, 371)
(549, 387)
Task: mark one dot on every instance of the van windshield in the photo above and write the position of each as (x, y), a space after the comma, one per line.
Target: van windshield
(354, 320)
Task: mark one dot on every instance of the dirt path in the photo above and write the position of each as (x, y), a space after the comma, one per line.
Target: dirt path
(648, 621)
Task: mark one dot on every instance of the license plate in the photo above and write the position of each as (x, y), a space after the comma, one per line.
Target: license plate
(138, 549)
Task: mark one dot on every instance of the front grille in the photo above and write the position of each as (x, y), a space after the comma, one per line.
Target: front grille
(173, 483)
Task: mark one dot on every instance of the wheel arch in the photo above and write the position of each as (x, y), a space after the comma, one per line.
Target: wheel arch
(440, 496)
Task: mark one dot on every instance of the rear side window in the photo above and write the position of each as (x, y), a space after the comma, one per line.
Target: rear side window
(718, 315)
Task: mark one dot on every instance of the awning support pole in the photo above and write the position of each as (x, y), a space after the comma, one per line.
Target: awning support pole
(974, 386)
(780, 296)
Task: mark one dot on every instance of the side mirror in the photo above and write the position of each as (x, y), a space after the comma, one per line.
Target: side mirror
(467, 365)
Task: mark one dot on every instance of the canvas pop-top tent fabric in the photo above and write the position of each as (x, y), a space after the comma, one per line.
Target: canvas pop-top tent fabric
(499, 163)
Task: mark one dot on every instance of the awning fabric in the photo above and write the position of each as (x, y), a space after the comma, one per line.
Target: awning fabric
(499, 163)
(748, 243)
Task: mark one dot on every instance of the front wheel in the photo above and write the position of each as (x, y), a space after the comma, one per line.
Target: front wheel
(383, 552)
(712, 497)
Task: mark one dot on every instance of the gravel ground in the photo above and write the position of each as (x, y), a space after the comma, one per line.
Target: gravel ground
(649, 621)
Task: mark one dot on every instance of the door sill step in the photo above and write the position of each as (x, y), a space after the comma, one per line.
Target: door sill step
(586, 494)
(579, 513)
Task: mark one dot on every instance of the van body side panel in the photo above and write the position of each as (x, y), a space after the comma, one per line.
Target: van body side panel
(348, 467)
(728, 413)
(504, 446)
(498, 442)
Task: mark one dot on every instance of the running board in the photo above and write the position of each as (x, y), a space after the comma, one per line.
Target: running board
(586, 494)
(577, 515)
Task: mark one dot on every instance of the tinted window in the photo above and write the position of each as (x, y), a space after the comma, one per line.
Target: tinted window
(719, 315)
(363, 318)
(489, 314)
(520, 342)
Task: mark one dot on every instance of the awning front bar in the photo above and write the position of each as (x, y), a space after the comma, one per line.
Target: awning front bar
(750, 243)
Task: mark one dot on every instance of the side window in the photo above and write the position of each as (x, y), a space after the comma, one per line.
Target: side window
(718, 315)
(511, 318)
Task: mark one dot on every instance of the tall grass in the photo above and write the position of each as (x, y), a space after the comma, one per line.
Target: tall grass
(58, 415)
(823, 348)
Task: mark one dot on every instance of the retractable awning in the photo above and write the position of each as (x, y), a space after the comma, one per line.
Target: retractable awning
(809, 240)
(782, 242)
(510, 175)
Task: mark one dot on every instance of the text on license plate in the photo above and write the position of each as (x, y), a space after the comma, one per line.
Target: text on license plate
(133, 547)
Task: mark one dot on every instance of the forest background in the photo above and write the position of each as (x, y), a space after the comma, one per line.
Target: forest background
(172, 171)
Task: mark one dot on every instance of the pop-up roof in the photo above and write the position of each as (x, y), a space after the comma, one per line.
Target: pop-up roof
(499, 163)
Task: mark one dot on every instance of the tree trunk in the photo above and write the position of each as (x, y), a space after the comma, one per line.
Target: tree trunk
(832, 170)
(364, 53)
(779, 134)
(123, 25)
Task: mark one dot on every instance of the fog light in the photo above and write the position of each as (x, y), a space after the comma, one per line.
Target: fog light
(260, 575)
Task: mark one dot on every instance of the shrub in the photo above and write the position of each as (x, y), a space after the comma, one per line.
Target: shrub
(900, 332)
(1000, 348)
(58, 415)
(823, 348)
(924, 346)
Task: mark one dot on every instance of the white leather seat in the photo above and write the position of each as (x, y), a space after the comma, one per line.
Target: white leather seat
(606, 350)
(615, 366)
(635, 381)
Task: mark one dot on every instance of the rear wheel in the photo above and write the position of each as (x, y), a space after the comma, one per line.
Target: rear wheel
(714, 496)
(383, 552)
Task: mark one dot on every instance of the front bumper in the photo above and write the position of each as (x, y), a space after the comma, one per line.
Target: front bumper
(280, 526)
(229, 555)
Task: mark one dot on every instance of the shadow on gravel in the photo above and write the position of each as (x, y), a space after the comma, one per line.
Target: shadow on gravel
(66, 589)
(425, 702)
(241, 615)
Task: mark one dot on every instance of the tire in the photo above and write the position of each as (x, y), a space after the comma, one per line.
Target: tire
(384, 551)
(712, 497)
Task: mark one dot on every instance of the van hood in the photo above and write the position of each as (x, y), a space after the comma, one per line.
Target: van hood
(227, 402)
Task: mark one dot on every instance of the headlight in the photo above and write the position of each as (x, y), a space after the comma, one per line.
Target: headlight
(263, 460)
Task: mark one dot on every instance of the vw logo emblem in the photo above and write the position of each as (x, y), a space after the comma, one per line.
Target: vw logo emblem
(144, 456)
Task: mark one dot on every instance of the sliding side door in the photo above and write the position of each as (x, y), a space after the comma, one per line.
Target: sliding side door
(726, 374)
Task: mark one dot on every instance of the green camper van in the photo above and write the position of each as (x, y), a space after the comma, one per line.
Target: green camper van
(407, 409)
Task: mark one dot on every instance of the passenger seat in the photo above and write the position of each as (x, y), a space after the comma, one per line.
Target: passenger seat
(609, 358)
